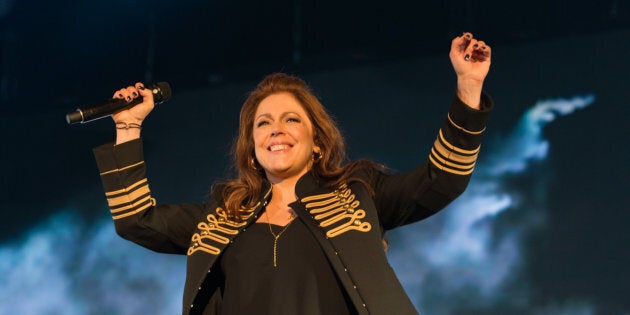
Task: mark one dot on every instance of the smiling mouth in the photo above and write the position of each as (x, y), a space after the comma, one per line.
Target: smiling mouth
(278, 147)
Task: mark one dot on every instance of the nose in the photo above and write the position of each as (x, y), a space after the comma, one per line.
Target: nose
(277, 129)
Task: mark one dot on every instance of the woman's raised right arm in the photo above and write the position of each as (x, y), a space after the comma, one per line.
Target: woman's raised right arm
(137, 216)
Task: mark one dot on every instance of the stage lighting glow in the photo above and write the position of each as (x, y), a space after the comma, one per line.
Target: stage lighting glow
(5, 7)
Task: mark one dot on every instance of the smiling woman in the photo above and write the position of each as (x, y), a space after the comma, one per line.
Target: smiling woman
(300, 229)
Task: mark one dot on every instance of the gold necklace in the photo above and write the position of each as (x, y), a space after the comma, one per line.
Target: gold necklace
(276, 237)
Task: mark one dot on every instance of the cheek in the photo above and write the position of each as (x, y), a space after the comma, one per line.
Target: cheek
(258, 138)
(309, 133)
(258, 141)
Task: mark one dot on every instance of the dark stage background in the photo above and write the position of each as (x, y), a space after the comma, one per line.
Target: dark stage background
(541, 229)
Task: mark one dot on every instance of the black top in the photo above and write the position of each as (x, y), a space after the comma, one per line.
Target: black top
(303, 281)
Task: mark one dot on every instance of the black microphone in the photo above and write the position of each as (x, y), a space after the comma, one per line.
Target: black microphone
(161, 92)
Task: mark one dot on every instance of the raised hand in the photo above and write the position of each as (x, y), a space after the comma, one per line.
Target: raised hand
(471, 61)
(137, 113)
(128, 121)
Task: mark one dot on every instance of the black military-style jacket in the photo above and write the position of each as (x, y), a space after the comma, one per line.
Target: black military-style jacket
(348, 222)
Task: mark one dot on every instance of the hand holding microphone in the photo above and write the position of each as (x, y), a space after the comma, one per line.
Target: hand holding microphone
(138, 112)
(129, 105)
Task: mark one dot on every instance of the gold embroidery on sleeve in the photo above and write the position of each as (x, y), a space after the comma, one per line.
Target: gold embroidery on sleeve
(462, 128)
(122, 168)
(130, 200)
(449, 158)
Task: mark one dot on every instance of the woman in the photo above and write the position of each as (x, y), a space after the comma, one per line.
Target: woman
(296, 232)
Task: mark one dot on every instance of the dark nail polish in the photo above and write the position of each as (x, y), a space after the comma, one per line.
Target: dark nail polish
(120, 95)
(141, 87)
(484, 47)
(135, 94)
(476, 45)
(129, 98)
(467, 57)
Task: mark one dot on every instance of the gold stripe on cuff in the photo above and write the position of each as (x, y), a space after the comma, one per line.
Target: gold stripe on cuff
(124, 215)
(130, 197)
(131, 205)
(448, 169)
(462, 128)
(121, 169)
(445, 162)
(453, 148)
(126, 189)
(450, 155)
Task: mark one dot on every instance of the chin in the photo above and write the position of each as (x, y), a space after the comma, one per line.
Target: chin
(281, 172)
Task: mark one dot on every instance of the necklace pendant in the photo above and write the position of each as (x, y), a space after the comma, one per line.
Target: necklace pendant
(277, 236)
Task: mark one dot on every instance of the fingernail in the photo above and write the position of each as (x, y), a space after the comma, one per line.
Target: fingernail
(135, 94)
(467, 57)
(483, 47)
(476, 45)
(141, 87)
(120, 95)
(129, 97)
(467, 36)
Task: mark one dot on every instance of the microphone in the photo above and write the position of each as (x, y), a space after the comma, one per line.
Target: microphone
(161, 92)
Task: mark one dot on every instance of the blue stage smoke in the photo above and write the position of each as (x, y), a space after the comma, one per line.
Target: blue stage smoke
(65, 266)
(460, 262)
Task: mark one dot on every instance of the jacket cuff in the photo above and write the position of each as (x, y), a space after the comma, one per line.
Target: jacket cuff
(110, 157)
(457, 146)
(468, 119)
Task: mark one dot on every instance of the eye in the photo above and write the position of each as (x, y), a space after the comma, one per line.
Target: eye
(262, 123)
(293, 119)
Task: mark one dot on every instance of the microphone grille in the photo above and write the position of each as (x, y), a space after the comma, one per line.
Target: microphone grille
(161, 92)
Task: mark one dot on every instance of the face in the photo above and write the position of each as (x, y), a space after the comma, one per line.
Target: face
(283, 137)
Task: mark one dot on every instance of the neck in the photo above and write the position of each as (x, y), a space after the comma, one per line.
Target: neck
(283, 192)
(285, 186)
(277, 210)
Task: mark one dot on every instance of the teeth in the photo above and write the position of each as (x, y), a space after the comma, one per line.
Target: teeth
(278, 147)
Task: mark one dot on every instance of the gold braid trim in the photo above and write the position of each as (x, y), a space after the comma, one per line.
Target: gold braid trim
(121, 169)
(218, 227)
(456, 160)
(214, 229)
(339, 206)
(462, 128)
(130, 200)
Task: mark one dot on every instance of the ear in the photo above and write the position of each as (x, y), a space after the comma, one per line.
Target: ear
(317, 153)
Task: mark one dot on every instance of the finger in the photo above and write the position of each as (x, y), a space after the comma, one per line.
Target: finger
(481, 52)
(459, 43)
(467, 37)
(146, 94)
(132, 93)
(472, 45)
(120, 94)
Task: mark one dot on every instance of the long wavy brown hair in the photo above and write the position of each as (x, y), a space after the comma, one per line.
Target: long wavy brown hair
(244, 191)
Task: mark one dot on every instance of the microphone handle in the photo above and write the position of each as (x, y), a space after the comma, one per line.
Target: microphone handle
(161, 92)
(100, 110)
